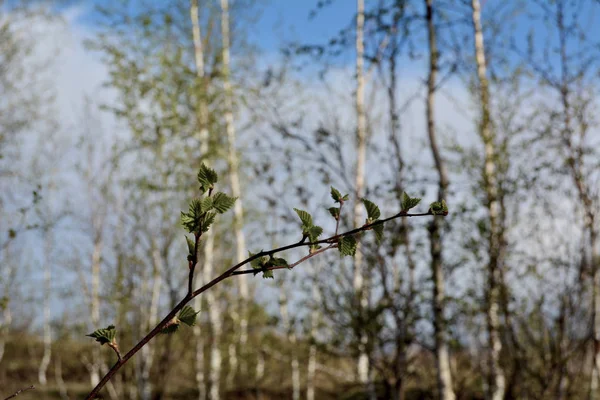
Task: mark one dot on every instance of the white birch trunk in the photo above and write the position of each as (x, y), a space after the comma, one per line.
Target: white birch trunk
(4, 328)
(361, 150)
(214, 314)
(497, 380)
(291, 334)
(62, 388)
(236, 192)
(444, 376)
(312, 351)
(147, 352)
(43, 368)
(94, 367)
(208, 246)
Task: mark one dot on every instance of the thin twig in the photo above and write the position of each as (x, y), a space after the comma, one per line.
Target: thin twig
(18, 392)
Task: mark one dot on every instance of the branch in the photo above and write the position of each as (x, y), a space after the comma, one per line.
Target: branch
(18, 392)
(332, 241)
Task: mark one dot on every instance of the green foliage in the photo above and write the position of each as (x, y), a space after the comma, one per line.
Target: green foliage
(310, 231)
(106, 335)
(373, 212)
(201, 216)
(207, 178)
(314, 232)
(305, 217)
(191, 248)
(222, 202)
(337, 196)
(347, 246)
(187, 315)
(438, 208)
(335, 212)
(409, 202)
(264, 262)
(172, 326)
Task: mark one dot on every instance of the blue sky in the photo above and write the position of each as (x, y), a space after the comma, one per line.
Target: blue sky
(285, 21)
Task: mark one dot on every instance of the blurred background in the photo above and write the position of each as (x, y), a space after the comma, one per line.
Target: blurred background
(108, 108)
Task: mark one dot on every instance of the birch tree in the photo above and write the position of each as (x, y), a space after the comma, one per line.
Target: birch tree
(203, 126)
(238, 222)
(360, 287)
(495, 262)
(442, 356)
(290, 330)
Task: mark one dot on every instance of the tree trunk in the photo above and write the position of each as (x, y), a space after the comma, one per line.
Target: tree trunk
(312, 351)
(291, 335)
(208, 249)
(360, 289)
(496, 378)
(214, 315)
(147, 352)
(442, 358)
(94, 367)
(232, 159)
(43, 368)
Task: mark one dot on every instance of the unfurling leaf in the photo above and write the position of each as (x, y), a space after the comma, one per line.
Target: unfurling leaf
(171, 327)
(206, 204)
(438, 208)
(187, 315)
(336, 195)
(222, 202)
(259, 262)
(347, 246)
(335, 212)
(207, 220)
(191, 219)
(278, 262)
(191, 246)
(409, 202)
(314, 232)
(373, 212)
(106, 335)
(305, 217)
(268, 274)
(207, 177)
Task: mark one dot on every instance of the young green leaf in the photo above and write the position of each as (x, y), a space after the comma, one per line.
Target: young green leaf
(207, 177)
(171, 327)
(191, 219)
(373, 212)
(335, 212)
(438, 208)
(191, 246)
(206, 204)
(409, 202)
(336, 195)
(187, 315)
(106, 335)
(259, 262)
(347, 246)
(305, 217)
(314, 232)
(222, 202)
(268, 274)
(207, 220)
(278, 262)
